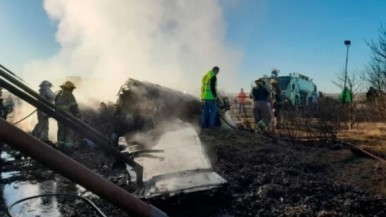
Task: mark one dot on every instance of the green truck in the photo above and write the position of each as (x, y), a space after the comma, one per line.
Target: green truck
(297, 89)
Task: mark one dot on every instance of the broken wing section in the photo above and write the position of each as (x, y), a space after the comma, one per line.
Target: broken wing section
(182, 167)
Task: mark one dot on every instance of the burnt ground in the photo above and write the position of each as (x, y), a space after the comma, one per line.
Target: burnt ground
(283, 179)
(265, 178)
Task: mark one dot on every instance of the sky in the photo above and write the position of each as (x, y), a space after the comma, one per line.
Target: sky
(174, 42)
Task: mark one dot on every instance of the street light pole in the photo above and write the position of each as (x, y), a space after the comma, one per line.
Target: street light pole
(347, 43)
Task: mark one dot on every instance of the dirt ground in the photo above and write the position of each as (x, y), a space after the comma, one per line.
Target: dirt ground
(309, 179)
(265, 178)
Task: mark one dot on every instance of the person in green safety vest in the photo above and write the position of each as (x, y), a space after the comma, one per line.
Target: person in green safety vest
(345, 96)
(208, 98)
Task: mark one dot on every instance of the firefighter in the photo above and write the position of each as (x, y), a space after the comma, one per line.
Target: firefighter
(121, 121)
(41, 128)
(66, 102)
(261, 110)
(208, 98)
(276, 101)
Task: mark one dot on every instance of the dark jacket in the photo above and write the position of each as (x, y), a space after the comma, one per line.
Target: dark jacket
(65, 101)
(259, 93)
(213, 82)
(276, 96)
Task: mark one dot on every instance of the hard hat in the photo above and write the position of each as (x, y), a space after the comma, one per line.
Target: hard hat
(259, 80)
(45, 83)
(273, 81)
(68, 85)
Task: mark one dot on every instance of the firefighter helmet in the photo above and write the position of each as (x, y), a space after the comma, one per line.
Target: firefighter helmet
(259, 80)
(68, 85)
(45, 83)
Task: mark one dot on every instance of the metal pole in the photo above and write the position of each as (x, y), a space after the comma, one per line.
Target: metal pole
(347, 43)
(28, 95)
(74, 171)
(11, 77)
(345, 70)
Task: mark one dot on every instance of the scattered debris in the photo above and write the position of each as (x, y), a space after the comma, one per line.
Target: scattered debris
(265, 177)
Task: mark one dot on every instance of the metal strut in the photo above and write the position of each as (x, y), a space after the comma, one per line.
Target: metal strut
(75, 171)
(9, 81)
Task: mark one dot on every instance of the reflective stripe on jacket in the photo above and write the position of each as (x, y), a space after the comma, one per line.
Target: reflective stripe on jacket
(206, 91)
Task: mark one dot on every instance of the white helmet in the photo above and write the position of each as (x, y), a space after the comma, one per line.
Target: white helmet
(273, 81)
(45, 83)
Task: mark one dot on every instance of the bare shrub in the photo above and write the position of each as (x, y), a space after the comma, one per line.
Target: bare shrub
(375, 74)
(321, 122)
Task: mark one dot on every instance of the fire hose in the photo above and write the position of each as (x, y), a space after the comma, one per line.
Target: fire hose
(95, 208)
(15, 123)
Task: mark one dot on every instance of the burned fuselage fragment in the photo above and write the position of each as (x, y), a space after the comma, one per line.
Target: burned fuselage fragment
(161, 121)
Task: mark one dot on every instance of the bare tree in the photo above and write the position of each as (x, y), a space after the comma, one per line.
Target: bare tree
(354, 82)
(350, 112)
(375, 72)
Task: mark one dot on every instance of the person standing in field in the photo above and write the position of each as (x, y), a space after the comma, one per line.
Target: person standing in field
(276, 102)
(261, 110)
(66, 102)
(40, 130)
(242, 98)
(209, 98)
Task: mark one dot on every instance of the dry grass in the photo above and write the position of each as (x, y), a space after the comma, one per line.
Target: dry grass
(331, 120)
(368, 135)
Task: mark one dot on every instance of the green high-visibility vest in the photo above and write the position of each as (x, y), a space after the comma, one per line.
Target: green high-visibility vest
(206, 93)
(345, 96)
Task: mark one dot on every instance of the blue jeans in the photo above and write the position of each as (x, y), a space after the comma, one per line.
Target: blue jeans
(242, 107)
(208, 115)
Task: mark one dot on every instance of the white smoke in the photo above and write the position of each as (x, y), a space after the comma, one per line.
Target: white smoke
(169, 42)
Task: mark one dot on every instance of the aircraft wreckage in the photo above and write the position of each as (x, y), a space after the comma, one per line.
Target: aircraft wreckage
(172, 162)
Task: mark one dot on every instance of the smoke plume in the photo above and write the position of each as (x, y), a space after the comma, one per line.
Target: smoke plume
(168, 42)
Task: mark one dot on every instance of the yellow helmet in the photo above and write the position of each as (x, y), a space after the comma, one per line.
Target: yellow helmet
(68, 85)
(273, 81)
